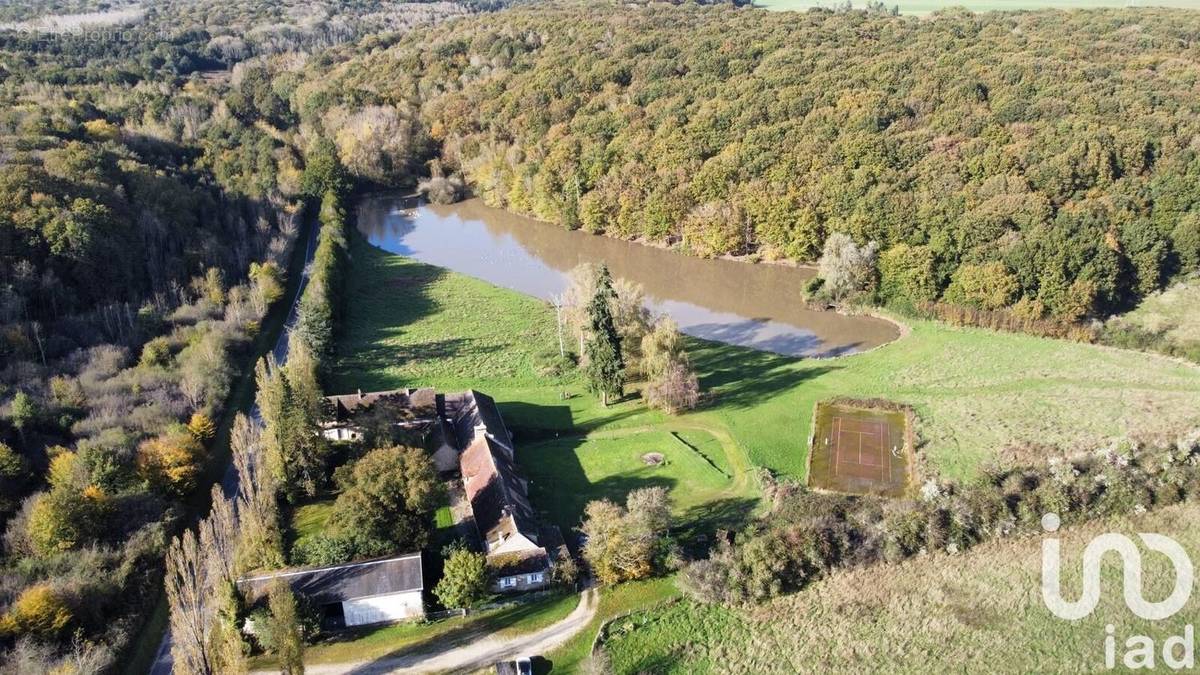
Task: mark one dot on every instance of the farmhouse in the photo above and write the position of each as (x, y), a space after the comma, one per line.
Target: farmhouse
(516, 546)
(354, 594)
(469, 437)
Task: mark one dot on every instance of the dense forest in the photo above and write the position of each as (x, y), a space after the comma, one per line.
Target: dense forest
(153, 179)
(1044, 162)
(153, 176)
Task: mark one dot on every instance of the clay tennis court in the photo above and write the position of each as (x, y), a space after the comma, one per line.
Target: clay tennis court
(860, 451)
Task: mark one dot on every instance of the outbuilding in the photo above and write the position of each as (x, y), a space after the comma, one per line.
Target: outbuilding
(354, 594)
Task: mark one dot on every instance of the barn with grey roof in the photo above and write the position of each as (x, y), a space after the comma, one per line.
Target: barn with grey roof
(354, 594)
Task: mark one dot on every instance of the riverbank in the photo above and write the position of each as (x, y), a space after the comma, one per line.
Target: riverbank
(756, 306)
(981, 397)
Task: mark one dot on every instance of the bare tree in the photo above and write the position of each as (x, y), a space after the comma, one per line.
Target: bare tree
(846, 267)
(200, 577)
(558, 302)
(581, 286)
(675, 389)
(218, 536)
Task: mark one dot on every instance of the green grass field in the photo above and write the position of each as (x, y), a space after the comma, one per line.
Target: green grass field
(978, 612)
(568, 472)
(628, 598)
(924, 7)
(382, 641)
(981, 397)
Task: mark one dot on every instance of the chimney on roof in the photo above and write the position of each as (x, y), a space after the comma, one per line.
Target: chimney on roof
(360, 393)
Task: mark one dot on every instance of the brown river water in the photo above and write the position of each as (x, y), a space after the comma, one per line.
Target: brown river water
(751, 305)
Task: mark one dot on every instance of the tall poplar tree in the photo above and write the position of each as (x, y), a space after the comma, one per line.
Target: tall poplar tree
(605, 366)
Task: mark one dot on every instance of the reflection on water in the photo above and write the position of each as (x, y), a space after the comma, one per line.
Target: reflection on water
(756, 306)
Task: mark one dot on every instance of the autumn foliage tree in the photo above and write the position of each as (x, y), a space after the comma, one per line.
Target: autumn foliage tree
(172, 460)
(39, 610)
(67, 518)
(627, 542)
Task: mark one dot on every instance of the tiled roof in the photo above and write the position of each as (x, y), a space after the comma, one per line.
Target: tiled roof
(524, 562)
(471, 410)
(325, 585)
(419, 402)
(498, 497)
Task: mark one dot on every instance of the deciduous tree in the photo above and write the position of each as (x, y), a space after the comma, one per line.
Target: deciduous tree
(624, 543)
(285, 626)
(388, 498)
(846, 267)
(464, 580)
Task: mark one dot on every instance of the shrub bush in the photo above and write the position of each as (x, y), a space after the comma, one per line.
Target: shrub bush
(807, 534)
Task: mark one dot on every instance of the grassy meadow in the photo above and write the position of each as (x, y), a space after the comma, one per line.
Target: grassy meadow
(981, 397)
(977, 612)
(566, 473)
(924, 7)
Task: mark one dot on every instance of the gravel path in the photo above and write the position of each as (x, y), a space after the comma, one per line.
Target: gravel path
(473, 651)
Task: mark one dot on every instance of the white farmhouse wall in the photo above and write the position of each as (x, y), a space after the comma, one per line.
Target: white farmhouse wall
(514, 544)
(381, 608)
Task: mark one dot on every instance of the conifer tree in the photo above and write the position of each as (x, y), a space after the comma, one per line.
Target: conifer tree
(605, 367)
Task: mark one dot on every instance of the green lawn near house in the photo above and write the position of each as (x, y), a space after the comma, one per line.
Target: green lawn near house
(310, 519)
(615, 602)
(381, 641)
(566, 473)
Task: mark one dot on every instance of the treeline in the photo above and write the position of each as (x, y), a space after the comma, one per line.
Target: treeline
(806, 535)
(144, 235)
(1021, 161)
(180, 39)
(290, 395)
(111, 450)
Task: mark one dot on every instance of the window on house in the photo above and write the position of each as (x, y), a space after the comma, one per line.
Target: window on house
(535, 578)
(508, 582)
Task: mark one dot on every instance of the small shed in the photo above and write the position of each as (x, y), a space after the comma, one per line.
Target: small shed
(354, 594)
